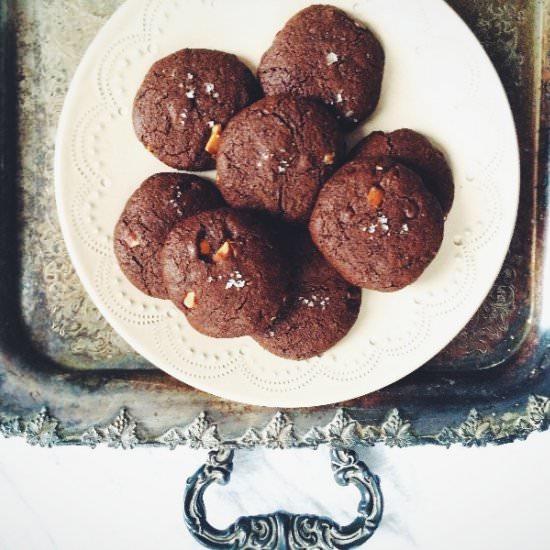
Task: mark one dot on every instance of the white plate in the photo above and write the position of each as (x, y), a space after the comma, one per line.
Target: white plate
(438, 80)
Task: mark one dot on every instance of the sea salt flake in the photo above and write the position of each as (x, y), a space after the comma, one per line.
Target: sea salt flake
(282, 166)
(331, 58)
(190, 76)
(235, 283)
(216, 95)
(349, 114)
(191, 93)
(372, 228)
(132, 240)
(382, 219)
(339, 97)
(404, 228)
(385, 228)
(209, 87)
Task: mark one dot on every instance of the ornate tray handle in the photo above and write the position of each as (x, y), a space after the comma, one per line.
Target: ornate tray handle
(280, 530)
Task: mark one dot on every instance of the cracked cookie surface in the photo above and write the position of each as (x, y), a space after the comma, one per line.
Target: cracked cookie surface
(415, 151)
(377, 224)
(149, 214)
(222, 269)
(320, 307)
(183, 97)
(323, 53)
(276, 154)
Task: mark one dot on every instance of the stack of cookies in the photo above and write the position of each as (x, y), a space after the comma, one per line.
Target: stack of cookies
(279, 247)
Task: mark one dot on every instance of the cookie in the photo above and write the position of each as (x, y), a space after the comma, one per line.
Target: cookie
(320, 306)
(417, 152)
(276, 154)
(184, 101)
(149, 214)
(377, 224)
(323, 53)
(222, 270)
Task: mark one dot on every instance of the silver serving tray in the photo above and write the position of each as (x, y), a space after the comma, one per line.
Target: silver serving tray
(67, 378)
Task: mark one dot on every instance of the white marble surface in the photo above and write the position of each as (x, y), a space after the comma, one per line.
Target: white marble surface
(79, 499)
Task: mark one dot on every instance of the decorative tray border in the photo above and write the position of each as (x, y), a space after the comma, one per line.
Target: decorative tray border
(280, 432)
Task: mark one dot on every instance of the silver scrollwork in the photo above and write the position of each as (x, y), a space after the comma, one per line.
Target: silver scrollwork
(343, 431)
(281, 530)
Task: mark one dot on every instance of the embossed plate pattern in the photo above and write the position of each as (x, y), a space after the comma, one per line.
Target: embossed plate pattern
(438, 80)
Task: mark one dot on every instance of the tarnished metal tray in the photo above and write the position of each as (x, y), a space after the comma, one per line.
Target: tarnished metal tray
(66, 378)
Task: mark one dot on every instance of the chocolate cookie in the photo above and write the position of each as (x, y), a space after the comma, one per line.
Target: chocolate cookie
(376, 223)
(149, 214)
(323, 53)
(184, 101)
(276, 154)
(320, 306)
(222, 270)
(415, 151)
